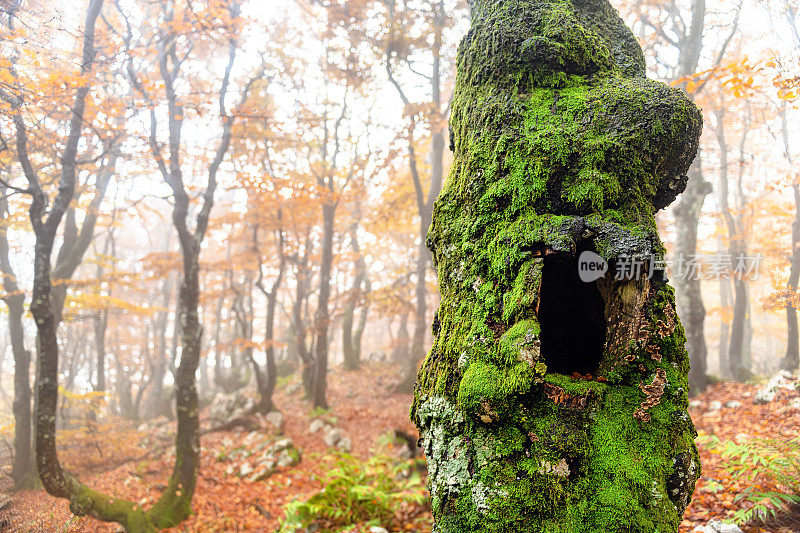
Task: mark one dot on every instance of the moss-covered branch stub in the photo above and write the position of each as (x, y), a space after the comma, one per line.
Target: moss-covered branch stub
(561, 145)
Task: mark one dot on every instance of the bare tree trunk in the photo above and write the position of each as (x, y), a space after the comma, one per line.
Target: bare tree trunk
(100, 323)
(689, 46)
(266, 380)
(74, 243)
(738, 241)
(348, 350)
(24, 468)
(358, 334)
(157, 401)
(101, 319)
(125, 393)
(424, 205)
(688, 294)
(791, 360)
(420, 293)
(351, 339)
(322, 317)
(736, 351)
(45, 226)
(726, 302)
(298, 324)
(400, 351)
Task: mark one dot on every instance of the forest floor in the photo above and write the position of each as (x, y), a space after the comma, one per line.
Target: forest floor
(135, 465)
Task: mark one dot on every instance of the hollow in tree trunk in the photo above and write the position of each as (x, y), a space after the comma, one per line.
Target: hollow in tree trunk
(554, 397)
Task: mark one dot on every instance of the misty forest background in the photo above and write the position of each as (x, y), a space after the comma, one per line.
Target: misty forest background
(282, 159)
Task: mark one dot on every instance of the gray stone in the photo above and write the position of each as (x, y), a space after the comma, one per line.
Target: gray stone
(345, 444)
(332, 436)
(227, 407)
(733, 404)
(782, 380)
(280, 445)
(253, 438)
(275, 419)
(715, 405)
(285, 458)
(165, 433)
(716, 526)
(316, 425)
(262, 474)
(378, 529)
(268, 461)
(245, 469)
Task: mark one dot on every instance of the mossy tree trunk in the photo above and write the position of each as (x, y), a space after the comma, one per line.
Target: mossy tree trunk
(554, 400)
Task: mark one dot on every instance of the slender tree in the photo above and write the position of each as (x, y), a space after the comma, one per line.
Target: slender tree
(791, 360)
(398, 50)
(266, 378)
(683, 31)
(24, 468)
(353, 331)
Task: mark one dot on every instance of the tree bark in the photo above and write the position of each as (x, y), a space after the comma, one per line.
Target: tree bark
(322, 319)
(24, 467)
(424, 204)
(688, 293)
(351, 338)
(100, 323)
(267, 378)
(791, 360)
(687, 216)
(738, 247)
(298, 323)
(554, 399)
(175, 503)
(400, 350)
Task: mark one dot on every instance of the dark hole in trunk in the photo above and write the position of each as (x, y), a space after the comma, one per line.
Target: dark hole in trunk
(572, 318)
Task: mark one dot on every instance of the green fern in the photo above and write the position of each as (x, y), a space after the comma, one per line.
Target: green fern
(770, 467)
(358, 492)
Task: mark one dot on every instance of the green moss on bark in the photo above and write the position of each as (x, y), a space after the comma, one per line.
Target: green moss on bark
(560, 144)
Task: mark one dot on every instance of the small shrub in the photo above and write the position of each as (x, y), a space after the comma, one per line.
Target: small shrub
(358, 492)
(771, 468)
